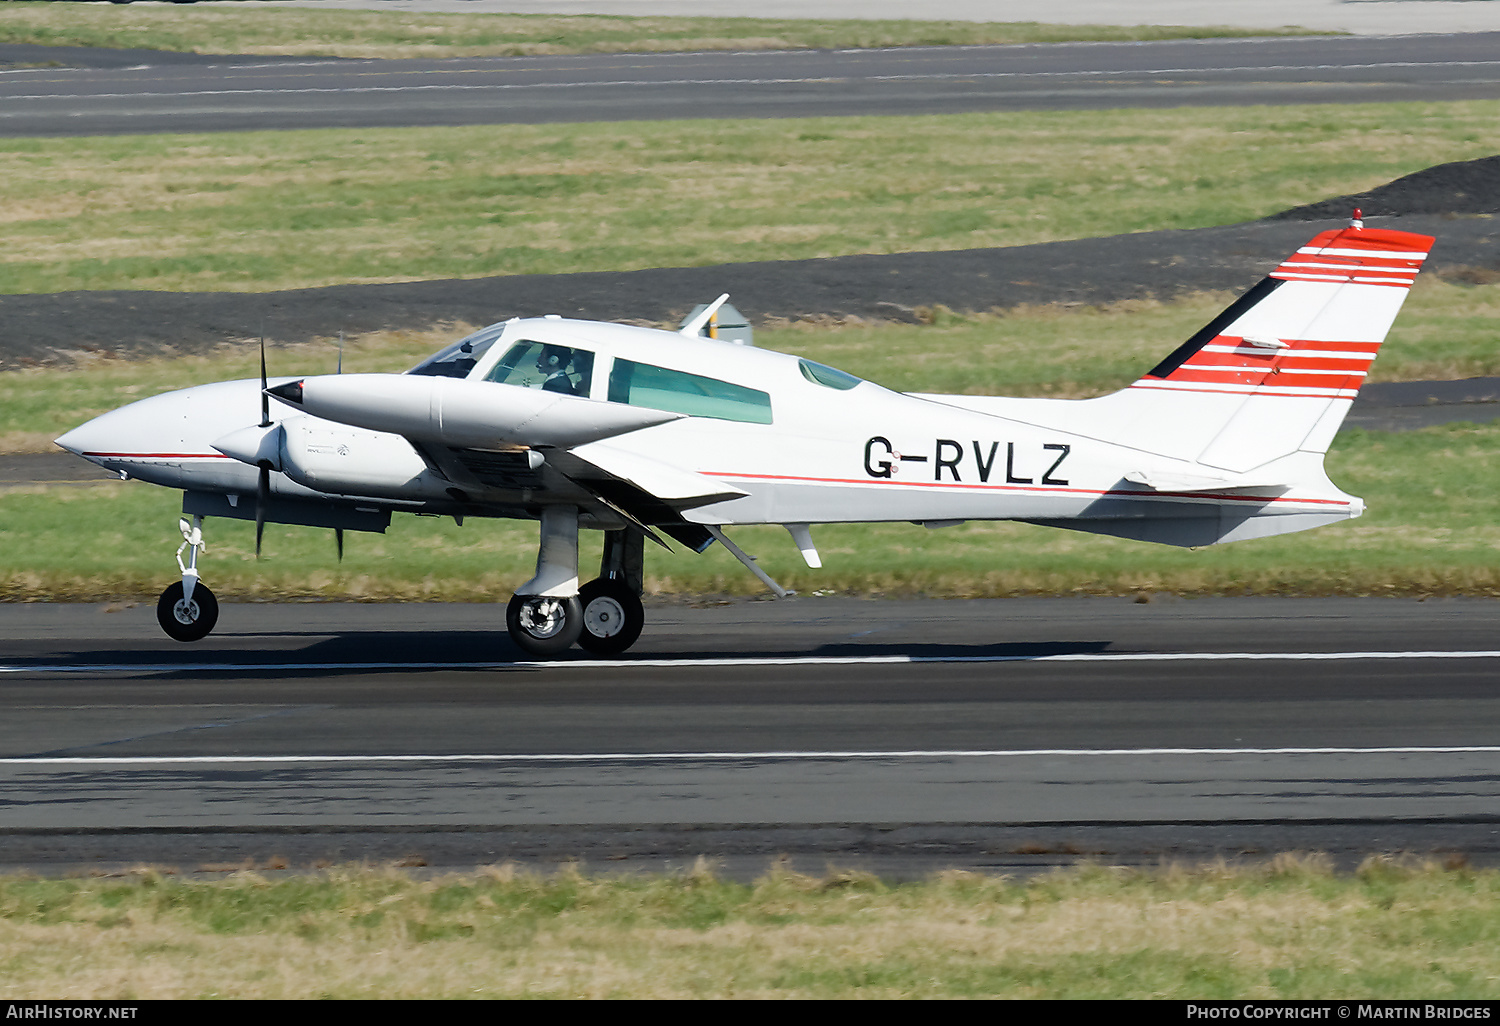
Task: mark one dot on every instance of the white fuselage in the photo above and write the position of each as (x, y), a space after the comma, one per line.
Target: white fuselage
(829, 453)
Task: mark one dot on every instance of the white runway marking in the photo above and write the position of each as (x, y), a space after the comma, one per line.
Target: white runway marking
(843, 78)
(727, 661)
(671, 757)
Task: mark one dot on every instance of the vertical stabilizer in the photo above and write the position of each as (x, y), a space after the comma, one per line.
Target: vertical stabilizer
(1276, 372)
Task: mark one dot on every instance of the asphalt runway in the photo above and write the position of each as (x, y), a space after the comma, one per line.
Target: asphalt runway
(903, 736)
(244, 93)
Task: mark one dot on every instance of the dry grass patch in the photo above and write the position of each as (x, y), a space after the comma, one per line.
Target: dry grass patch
(230, 28)
(1286, 929)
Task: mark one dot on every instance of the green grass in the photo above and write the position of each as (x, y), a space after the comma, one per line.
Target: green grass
(1431, 529)
(1286, 929)
(345, 33)
(263, 211)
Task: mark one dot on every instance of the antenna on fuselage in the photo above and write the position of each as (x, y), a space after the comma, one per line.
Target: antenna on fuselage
(695, 323)
(720, 321)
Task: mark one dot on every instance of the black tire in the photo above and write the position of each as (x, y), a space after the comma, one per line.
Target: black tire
(187, 621)
(543, 631)
(612, 617)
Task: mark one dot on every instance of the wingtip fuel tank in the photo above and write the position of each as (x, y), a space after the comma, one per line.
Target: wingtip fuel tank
(461, 413)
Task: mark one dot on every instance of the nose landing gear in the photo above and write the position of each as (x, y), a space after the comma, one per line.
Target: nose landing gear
(187, 610)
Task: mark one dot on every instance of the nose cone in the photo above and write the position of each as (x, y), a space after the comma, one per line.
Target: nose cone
(85, 438)
(253, 445)
(291, 392)
(75, 440)
(167, 428)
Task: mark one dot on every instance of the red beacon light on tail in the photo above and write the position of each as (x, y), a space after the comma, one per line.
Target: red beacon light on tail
(1357, 221)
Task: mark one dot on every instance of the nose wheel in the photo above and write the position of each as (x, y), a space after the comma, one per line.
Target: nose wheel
(187, 610)
(612, 617)
(187, 619)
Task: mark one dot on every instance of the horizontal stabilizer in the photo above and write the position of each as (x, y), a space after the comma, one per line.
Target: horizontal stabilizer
(1170, 481)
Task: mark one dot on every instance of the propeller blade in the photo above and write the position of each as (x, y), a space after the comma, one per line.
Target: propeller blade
(338, 540)
(262, 499)
(265, 402)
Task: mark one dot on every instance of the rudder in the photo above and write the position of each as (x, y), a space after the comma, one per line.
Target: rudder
(1276, 372)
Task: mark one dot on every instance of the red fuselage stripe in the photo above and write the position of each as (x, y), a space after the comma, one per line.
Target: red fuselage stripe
(1013, 488)
(156, 455)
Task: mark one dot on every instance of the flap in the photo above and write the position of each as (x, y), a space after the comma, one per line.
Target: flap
(672, 485)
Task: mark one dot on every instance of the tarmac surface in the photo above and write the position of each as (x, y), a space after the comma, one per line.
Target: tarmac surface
(1359, 16)
(216, 93)
(897, 736)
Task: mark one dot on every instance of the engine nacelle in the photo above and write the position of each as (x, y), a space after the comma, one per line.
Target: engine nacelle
(342, 460)
(464, 414)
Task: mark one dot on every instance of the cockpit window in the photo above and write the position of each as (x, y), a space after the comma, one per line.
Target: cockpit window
(829, 376)
(549, 367)
(658, 388)
(459, 359)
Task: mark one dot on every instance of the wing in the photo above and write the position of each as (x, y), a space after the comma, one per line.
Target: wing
(603, 481)
(648, 492)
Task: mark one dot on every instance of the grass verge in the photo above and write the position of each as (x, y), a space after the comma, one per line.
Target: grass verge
(347, 33)
(1288, 929)
(1431, 529)
(260, 211)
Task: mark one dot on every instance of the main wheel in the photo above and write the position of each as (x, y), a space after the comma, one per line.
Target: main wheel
(543, 626)
(187, 619)
(612, 617)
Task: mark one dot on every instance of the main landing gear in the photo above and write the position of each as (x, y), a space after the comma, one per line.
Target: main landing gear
(612, 616)
(187, 610)
(550, 612)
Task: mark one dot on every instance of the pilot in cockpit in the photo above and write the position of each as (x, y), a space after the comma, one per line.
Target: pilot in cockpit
(556, 365)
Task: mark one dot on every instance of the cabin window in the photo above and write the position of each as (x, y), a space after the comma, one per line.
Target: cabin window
(549, 367)
(658, 388)
(459, 359)
(828, 376)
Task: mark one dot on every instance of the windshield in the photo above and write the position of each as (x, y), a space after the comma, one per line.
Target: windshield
(458, 359)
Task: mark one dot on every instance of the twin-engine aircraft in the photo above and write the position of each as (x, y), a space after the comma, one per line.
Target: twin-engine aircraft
(642, 433)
